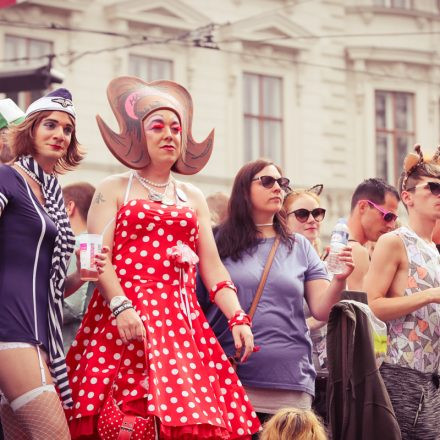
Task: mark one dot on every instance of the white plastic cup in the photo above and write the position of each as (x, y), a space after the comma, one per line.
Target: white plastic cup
(89, 246)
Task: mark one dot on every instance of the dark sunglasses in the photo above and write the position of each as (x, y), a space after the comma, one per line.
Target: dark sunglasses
(302, 215)
(434, 187)
(388, 216)
(269, 182)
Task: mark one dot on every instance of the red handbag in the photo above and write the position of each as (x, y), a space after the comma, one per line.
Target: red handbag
(113, 424)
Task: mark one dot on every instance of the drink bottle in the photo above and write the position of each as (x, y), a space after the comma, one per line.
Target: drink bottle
(338, 241)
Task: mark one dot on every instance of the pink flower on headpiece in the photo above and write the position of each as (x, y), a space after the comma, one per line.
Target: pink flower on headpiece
(182, 255)
(130, 102)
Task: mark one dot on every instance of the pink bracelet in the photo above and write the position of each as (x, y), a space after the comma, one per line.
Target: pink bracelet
(222, 284)
(239, 318)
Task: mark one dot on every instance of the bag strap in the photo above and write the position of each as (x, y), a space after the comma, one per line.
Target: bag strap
(127, 427)
(112, 385)
(260, 287)
(262, 283)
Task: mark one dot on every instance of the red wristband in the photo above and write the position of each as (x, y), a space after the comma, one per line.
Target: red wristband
(222, 284)
(239, 318)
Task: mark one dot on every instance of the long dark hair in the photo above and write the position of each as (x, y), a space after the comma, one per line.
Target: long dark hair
(238, 233)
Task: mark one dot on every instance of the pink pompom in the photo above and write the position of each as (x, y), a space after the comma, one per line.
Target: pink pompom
(182, 256)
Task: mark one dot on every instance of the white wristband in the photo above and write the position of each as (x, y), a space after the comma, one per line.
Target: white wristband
(117, 301)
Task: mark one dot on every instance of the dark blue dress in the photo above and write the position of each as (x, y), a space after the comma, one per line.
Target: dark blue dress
(27, 239)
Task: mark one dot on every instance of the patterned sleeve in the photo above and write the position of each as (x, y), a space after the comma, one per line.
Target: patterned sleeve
(5, 187)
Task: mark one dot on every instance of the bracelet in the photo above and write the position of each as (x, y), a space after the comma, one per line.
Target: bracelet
(117, 301)
(122, 307)
(222, 284)
(239, 318)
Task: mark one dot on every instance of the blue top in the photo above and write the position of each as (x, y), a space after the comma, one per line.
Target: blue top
(279, 325)
(27, 239)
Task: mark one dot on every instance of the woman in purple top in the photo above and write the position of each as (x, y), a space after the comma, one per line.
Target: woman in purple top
(281, 374)
(35, 247)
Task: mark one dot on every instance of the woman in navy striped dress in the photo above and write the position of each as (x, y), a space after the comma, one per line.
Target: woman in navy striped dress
(35, 247)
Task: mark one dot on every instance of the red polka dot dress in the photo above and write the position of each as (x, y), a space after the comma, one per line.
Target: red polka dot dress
(180, 374)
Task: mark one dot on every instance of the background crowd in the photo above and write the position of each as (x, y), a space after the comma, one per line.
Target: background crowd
(210, 317)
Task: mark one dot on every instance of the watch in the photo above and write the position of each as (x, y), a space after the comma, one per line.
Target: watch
(117, 301)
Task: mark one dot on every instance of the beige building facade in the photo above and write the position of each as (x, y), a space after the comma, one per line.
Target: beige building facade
(333, 90)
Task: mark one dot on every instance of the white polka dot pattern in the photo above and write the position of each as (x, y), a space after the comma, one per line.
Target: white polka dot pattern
(190, 380)
(113, 423)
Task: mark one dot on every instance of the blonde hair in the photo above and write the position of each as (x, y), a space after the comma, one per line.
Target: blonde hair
(293, 423)
(295, 194)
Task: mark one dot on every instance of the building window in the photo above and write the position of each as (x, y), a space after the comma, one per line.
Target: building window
(263, 122)
(26, 52)
(394, 132)
(150, 69)
(398, 4)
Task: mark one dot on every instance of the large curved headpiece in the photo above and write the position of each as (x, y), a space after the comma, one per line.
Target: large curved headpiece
(131, 100)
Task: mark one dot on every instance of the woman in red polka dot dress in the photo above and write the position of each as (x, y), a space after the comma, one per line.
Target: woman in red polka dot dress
(145, 321)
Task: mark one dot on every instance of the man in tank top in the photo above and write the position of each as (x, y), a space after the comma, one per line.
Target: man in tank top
(403, 286)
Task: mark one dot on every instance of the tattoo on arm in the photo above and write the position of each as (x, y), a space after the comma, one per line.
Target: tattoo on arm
(99, 198)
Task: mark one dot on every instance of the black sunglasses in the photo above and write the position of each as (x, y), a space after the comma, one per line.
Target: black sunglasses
(269, 182)
(302, 215)
(434, 187)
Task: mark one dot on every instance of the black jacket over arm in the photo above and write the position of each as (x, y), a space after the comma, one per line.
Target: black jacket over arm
(358, 404)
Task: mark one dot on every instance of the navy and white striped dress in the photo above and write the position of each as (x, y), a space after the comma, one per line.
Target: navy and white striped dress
(27, 239)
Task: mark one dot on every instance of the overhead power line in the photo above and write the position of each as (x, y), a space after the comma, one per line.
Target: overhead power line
(202, 37)
(199, 37)
(58, 27)
(77, 55)
(327, 66)
(328, 36)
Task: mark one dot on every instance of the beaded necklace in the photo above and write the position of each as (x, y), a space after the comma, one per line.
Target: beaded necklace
(29, 173)
(155, 196)
(151, 183)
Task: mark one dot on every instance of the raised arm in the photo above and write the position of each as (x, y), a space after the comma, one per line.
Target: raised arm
(385, 282)
(321, 294)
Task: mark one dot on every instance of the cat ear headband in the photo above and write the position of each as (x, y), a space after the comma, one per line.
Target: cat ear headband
(317, 189)
(413, 160)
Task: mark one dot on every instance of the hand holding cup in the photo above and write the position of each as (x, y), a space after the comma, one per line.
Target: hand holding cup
(92, 255)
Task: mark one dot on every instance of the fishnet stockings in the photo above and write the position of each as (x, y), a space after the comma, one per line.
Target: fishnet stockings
(39, 419)
(11, 426)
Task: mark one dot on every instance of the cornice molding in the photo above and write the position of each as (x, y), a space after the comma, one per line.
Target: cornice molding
(390, 55)
(268, 29)
(170, 14)
(398, 12)
(65, 5)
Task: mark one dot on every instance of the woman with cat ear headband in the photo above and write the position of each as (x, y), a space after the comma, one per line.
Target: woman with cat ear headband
(304, 213)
